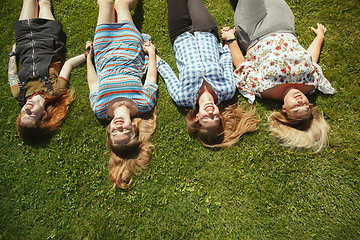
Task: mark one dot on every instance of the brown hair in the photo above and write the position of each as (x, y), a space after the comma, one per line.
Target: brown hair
(57, 105)
(310, 133)
(126, 158)
(234, 122)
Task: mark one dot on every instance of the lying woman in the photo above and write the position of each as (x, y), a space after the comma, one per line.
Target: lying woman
(41, 85)
(276, 66)
(122, 55)
(206, 79)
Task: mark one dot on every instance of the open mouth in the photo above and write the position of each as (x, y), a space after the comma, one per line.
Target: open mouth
(29, 106)
(209, 107)
(118, 121)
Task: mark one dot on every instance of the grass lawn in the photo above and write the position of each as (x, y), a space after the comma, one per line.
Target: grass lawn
(59, 188)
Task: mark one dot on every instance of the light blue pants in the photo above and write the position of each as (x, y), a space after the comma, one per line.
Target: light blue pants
(257, 19)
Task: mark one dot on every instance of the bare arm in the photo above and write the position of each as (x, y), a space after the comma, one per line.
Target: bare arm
(12, 71)
(70, 64)
(151, 75)
(315, 46)
(236, 54)
(92, 78)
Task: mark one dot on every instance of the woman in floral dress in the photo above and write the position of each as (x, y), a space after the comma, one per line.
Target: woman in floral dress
(276, 66)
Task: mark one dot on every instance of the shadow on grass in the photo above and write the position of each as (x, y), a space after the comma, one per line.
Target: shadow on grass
(138, 15)
(40, 141)
(233, 3)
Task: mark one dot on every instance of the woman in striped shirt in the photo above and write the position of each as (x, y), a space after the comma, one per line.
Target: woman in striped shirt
(122, 55)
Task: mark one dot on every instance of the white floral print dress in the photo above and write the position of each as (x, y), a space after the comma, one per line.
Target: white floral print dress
(278, 59)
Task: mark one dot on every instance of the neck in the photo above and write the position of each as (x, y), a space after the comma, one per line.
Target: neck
(40, 99)
(287, 90)
(205, 98)
(122, 110)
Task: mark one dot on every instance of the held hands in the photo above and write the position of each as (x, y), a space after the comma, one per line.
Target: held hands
(227, 33)
(320, 30)
(149, 48)
(89, 49)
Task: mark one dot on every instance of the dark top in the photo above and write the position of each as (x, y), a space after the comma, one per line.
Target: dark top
(37, 41)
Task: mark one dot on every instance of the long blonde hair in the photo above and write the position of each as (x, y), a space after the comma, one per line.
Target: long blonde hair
(234, 122)
(126, 158)
(57, 106)
(310, 133)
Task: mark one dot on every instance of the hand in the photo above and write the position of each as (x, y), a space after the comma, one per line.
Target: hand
(89, 49)
(13, 47)
(227, 33)
(149, 47)
(320, 30)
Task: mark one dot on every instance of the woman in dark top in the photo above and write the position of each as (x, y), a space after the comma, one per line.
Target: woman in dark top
(41, 86)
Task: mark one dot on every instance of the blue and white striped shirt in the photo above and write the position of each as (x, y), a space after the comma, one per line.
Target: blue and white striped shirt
(199, 57)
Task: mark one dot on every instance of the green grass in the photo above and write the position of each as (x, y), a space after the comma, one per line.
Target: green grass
(59, 189)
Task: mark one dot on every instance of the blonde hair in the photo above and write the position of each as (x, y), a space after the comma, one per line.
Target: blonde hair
(126, 158)
(234, 122)
(310, 133)
(57, 105)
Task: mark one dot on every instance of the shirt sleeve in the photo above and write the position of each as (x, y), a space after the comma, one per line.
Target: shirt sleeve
(15, 90)
(226, 64)
(321, 82)
(92, 98)
(151, 89)
(247, 80)
(172, 82)
(61, 83)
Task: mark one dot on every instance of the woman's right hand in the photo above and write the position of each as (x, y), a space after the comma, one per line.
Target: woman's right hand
(227, 33)
(89, 49)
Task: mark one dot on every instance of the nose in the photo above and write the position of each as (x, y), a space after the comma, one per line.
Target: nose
(119, 126)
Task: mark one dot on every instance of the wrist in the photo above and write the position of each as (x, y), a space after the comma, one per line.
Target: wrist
(12, 54)
(151, 53)
(228, 41)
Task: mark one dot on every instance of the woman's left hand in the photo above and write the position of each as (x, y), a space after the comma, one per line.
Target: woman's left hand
(89, 49)
(320, 30)
(149, 47)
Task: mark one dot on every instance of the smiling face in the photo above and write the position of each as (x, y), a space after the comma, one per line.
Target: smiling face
(296, 104)
(209, 116)
(121, 130)
(31, 112)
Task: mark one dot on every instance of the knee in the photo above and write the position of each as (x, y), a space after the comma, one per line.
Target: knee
(131, 4)
(30, 2)
(104, 3)
(45, 4)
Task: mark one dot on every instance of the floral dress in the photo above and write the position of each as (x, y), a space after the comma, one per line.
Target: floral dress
(278, 59)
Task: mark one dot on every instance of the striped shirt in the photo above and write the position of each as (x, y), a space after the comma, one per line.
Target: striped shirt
(199, 57)
(120, 64)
